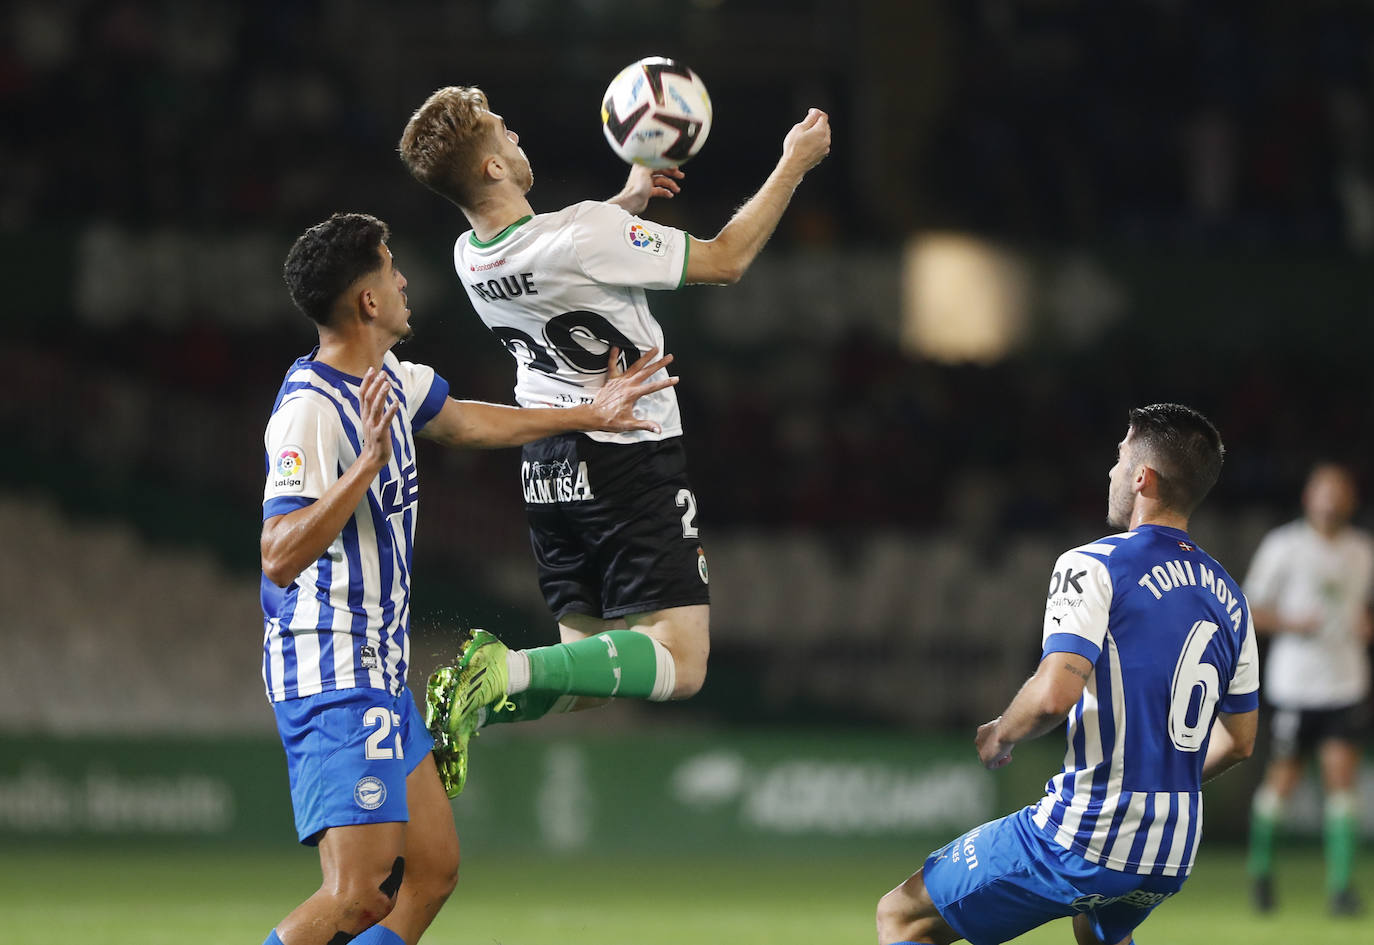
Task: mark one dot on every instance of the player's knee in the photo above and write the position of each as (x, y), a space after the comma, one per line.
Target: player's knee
(443, 877)
(690, 663)
(894, 917)
(691, 676)
(681, 668)
(364, 900)
(436, 876)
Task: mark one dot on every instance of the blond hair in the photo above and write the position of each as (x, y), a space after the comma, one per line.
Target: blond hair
(445, 142)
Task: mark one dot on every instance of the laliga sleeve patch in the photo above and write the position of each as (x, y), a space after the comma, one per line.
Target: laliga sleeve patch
(645, 240)
(288, 469)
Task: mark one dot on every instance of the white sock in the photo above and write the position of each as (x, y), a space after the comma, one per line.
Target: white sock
(518, 668)
(1267, 803)
(1341, 804)
(665, 674)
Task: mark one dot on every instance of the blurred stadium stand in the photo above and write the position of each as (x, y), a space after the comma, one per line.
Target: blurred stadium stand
(1186, 190)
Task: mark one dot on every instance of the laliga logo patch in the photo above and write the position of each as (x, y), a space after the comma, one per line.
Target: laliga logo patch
(289, 468)
(369, 793)
(642, 238)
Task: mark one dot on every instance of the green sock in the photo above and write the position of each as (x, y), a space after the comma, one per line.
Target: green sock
(622, 663)
(1341, 837)
(1263, 828)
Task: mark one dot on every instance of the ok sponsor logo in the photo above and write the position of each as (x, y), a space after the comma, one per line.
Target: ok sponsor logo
(1068, 581)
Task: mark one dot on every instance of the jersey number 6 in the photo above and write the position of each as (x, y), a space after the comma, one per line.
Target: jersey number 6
(1190, 711)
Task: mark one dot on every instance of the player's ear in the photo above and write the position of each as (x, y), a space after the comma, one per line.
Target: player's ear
(493, 168)
(366, 303)
(1145, 480)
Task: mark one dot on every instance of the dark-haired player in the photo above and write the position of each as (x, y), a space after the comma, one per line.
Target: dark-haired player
(1149, 651)
(338, 532)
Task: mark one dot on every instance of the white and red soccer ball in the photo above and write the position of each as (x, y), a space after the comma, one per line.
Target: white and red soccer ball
(656, 112)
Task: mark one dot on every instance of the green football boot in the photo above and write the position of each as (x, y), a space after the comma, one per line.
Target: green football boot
(481, 684)
(450, 751)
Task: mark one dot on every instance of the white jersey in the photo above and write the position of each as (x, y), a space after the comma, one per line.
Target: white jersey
(1172, 644)
(560, 289)
(344, 622)
(1303, 575)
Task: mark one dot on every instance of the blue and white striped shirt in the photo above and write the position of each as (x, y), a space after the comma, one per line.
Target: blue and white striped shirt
(1172, 643)
(344, 622)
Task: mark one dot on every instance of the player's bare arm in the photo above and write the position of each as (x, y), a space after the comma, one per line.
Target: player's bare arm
(469, 423)
(1231, 742)
(725, 258)
(291, 542)
(643, 184)
(1041, 704)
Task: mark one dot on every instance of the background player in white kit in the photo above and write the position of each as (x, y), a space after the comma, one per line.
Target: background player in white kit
(338, 532)
(1311, 584)
(1149, 650)
(612, 518)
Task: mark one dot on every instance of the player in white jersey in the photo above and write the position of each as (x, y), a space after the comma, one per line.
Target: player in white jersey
(1311, 584)
(1149, 652)
(612, 517)
(338, 530)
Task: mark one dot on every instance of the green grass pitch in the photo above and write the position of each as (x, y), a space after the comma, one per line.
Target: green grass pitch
(214, 898)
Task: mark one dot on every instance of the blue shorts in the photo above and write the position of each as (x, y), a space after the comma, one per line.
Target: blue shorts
(348, 753)
(1006, 877)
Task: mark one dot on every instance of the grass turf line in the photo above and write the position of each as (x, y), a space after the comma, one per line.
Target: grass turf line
(211, 898)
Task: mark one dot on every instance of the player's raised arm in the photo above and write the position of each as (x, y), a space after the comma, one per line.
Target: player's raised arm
(291, 542)
(480, 425)
(725, 258)
(643, 184)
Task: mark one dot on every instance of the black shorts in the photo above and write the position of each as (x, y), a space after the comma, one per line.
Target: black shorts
(613, 526)
(1297, 732)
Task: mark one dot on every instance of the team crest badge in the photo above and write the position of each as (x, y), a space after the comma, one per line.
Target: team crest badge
(701, 567)
(369, 793)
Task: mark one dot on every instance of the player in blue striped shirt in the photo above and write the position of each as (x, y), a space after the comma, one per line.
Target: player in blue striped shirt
(338, 534)
(1149, 651)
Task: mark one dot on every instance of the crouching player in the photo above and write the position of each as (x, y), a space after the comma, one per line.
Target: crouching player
(1149, 651)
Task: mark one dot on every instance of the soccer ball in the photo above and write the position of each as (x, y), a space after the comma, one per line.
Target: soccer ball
(656, 112)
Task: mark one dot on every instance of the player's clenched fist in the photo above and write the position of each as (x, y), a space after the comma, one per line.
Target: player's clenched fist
(809, 140)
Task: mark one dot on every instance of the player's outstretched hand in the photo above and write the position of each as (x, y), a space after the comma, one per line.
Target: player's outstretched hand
(376, 416)
(991, 749)
(614, 404)
(644, 184)
(808, 142)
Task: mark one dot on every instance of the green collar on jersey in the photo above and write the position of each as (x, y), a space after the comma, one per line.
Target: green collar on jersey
(481, 244)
